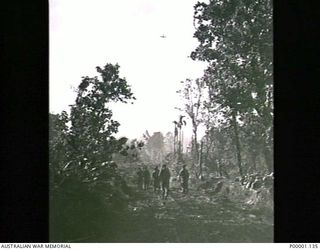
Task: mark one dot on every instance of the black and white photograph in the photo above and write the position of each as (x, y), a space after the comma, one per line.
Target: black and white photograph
(161, 121)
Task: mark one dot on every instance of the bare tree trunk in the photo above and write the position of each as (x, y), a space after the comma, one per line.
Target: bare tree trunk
(270, 152)
(195, 143)
(219, 170)
(179, 144)
(268, 158)
(237, 142)
(182, 137)
(200, 160)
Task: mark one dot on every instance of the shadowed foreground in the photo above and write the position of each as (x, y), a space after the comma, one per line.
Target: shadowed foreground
(196, 217)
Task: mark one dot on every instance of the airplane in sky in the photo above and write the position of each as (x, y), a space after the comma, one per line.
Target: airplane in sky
(163, 36)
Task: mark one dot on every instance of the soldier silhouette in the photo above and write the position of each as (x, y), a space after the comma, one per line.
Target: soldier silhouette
(184, 179)
(165, 181)
(156, 179)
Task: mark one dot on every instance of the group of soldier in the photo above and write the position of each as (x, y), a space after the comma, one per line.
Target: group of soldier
(161, 179)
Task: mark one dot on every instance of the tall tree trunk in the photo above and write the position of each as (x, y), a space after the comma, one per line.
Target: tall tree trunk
(175, 140)
(219, 159)
(182, 138)
(237, 142)
(200, 160)
(268, 158)
(180, 145)
(267, 148)
(270, 151)
(195, 143)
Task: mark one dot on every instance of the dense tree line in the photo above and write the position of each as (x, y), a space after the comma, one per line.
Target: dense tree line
(84, 180)
(235, 39)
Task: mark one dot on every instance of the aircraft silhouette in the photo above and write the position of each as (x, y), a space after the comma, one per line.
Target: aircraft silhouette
(163, 36)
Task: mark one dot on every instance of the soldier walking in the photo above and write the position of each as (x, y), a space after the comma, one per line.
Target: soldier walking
(165, 180)
(184, 179)
(156, 179)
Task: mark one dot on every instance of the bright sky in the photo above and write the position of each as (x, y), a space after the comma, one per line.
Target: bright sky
(89, 33)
